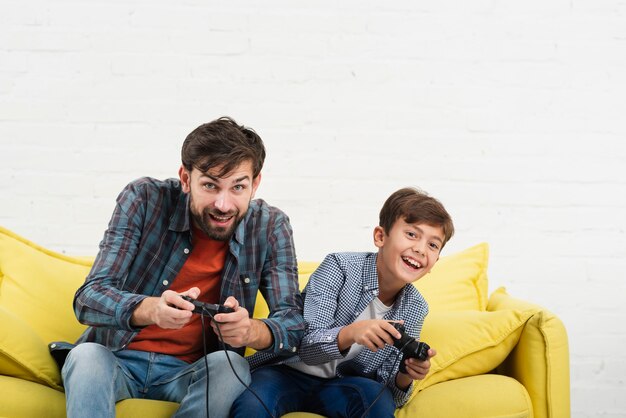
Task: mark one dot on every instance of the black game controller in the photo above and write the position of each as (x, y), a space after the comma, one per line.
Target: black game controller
(409, 346)
(209, 309)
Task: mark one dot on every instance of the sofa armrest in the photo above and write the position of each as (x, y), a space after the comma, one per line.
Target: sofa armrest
(540, 360)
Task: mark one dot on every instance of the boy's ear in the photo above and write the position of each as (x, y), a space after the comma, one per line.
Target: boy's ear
(379, 236)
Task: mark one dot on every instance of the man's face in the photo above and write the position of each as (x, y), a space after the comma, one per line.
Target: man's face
(218, 204)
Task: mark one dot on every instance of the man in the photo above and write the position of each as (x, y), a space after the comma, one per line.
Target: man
(200, 236)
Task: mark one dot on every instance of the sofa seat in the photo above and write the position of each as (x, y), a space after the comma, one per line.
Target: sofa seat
(497, 356)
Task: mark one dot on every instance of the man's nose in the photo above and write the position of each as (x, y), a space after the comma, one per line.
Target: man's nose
(224, 202)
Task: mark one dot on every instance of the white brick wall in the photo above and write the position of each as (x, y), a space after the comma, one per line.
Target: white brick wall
(512, 113)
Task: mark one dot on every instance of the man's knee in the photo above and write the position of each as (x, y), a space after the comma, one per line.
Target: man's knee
(228, 366)
(89, 358)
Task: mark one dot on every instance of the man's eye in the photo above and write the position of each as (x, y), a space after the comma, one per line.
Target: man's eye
(209, 186)
(238, 187)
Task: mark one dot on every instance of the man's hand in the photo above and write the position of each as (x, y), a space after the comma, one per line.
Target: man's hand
(415, 370)
(169, 311)
(371, 333)
(237, 329)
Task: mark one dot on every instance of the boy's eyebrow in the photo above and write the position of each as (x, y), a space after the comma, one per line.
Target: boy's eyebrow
(433, 237)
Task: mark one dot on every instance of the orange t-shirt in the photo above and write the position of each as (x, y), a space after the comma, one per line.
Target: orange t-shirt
(202, 269)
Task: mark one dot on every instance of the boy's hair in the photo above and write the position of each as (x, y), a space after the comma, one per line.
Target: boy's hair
(415, 206)
(224, 143)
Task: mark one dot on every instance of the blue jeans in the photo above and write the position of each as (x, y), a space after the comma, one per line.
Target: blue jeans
(283, 389)
(95, 378)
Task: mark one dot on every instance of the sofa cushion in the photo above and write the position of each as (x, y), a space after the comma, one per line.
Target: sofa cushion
(483, 396)
(38, 286)
(458, 281)
(23, 354)
(470, 342)
(24, 399)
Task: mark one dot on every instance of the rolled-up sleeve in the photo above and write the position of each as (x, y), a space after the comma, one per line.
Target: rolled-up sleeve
(280, 287)
(100, 300)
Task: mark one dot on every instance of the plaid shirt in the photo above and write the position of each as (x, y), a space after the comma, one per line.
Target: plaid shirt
(337, 292)
(148, 241)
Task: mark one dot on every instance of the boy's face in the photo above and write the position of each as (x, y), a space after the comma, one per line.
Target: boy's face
(218, 204)
(408, 251)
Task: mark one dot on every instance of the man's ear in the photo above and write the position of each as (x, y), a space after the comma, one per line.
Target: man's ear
(255, 184)
(379, 236)
(185, 179)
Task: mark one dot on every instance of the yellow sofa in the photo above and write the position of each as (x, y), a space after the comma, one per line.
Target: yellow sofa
(497, 356)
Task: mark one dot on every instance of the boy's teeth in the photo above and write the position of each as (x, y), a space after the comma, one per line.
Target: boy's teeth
(412, 262)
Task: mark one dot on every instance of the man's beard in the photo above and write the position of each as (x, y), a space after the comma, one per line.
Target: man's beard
(203, 221)
(217, 233)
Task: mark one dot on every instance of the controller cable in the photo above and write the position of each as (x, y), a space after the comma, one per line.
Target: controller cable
(380, 393)
(206, 362)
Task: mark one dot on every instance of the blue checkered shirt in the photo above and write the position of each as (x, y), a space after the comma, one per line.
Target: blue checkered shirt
(338, 291)
(148, 241)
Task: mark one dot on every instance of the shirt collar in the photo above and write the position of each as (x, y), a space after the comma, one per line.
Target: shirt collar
(179, 221)
(370, 276)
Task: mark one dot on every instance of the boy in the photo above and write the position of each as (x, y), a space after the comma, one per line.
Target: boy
(346, 358)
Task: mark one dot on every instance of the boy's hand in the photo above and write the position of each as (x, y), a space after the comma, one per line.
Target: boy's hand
(371, 333)
(415, 370)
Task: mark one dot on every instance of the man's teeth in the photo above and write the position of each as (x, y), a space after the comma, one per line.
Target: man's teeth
(412, 262)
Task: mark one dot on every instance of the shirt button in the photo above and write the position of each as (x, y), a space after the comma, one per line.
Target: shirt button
(293, 349)
(246, 280)
(186, 250)
(280, 345)
(366, 287)
(165, 282)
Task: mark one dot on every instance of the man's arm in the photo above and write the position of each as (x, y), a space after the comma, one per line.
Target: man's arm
(100, 301)
(279, 286)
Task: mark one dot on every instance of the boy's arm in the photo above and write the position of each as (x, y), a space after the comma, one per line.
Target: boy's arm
(320, 342)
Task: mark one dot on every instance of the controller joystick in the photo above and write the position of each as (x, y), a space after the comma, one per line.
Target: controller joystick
(409, 346)
(209, 309)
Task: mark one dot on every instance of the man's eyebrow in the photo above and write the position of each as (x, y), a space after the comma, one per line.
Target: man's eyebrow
(217, 179)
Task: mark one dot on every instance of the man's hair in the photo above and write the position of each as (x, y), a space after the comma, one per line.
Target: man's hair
(415, 206)
(224, 143)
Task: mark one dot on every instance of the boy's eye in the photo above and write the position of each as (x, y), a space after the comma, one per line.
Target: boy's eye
(434, 246)
(411, 234)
